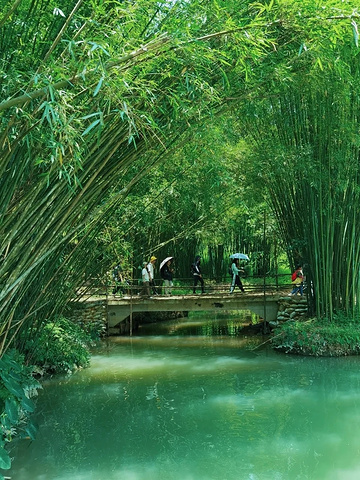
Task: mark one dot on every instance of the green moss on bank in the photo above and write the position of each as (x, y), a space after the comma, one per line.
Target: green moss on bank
(320, 338)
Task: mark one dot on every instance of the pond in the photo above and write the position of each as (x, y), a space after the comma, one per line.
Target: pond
(192, 399)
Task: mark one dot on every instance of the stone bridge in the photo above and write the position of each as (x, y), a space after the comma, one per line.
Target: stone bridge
(111, 311)
(266, 306)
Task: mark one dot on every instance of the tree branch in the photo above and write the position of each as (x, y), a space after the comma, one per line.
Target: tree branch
(8, 14)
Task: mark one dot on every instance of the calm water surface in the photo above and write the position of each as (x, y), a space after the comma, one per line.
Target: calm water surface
(193, 400)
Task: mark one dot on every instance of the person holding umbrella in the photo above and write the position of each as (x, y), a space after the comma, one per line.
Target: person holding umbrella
(235, 269)
(166, 273)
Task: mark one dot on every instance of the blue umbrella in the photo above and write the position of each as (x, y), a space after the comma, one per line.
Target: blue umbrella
(240, 256)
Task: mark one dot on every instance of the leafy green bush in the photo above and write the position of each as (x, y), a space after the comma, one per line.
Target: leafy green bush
(94, 330)
(319, 337)
(17, 386)
(61, 347)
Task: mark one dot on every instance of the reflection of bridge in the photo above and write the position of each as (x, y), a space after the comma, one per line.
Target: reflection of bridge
(264, 305)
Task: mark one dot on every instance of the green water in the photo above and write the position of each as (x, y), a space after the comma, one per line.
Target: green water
(177, 403)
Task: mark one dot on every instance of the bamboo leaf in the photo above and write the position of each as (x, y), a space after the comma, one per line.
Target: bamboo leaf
(302, 48)
(96, 46)
(98, 86)
(91, 127)
(96, 114)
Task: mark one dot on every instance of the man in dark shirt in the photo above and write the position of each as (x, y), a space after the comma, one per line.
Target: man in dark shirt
(196, 271)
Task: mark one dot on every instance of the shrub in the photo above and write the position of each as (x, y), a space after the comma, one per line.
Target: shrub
(17, 386)
(319, 337)
(61, 347)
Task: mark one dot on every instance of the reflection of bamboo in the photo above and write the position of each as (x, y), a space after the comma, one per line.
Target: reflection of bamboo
(107, 306)
(131, 309)
(264, 271)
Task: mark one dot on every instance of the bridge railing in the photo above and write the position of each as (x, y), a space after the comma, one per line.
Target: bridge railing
(184, 286)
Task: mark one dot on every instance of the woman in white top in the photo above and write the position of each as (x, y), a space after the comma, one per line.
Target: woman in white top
(235, 269)
(145, 280)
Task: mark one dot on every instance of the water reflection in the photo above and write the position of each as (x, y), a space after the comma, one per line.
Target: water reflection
(213, 323)
(197, 407)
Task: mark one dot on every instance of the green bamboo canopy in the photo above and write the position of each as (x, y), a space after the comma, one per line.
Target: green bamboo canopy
(91, 93)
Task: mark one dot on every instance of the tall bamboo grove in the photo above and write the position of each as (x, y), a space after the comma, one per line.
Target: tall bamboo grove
(308, 160)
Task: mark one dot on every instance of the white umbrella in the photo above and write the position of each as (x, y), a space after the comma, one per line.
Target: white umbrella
(165, 261)
(240, 256)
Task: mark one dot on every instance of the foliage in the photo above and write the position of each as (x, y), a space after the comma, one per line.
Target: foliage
(94, 329)
(305, 153)
(220, 208)
(17, 386)
(95, 95)
(246, 101)
(60, 347)
(319, 337)
(198, 201)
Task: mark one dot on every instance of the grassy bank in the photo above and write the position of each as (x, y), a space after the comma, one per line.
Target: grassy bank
(319, 337)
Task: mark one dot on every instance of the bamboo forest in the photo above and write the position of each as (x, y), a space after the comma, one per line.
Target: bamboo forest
(181, 130)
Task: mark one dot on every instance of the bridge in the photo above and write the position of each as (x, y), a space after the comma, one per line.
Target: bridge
(264, 305)
(270, 301)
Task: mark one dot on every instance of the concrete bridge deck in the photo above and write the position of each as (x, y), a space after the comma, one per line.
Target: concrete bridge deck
(264, 305)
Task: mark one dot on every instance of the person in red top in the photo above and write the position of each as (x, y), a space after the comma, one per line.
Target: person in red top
(297, 280)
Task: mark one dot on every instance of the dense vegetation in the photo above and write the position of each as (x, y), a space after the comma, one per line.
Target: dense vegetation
(106, 101)
(132, 128)
(319, 337)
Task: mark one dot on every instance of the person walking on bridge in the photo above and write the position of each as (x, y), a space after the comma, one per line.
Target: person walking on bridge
(166, 272)
(118, 279)
(151, 269)
(145, 281)
(196, 271)
(236, 270)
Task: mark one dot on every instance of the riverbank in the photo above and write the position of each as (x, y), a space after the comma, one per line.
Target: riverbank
(320, 338)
